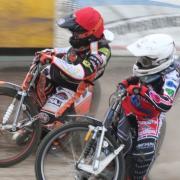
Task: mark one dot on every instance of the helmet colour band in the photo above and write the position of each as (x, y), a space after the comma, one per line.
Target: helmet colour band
(91, 32)
(86, 26)
(90, 20)
(86, 22)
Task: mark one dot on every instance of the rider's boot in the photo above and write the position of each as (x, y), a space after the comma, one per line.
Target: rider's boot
(48, 122)
(21, 137)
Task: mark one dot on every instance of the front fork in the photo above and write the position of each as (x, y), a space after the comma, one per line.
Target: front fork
(99, 148)
(98, 165)
(10, 109)
(94, 131)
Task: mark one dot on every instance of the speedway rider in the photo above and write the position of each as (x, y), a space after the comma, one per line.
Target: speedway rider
(85, 60)
(151, 93)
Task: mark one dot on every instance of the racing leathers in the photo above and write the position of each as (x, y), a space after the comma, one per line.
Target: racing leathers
(155, 97)
(68, 70)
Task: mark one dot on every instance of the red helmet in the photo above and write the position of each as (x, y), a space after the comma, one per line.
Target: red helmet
(85, 24)
(91, 20)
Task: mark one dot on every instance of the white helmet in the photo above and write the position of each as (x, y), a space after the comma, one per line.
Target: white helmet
(155, 53)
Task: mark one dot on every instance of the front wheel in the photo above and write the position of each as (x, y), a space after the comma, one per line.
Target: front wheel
(17, 145)
(60, 150)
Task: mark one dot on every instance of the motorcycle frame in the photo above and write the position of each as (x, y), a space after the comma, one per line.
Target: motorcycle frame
(22, 93)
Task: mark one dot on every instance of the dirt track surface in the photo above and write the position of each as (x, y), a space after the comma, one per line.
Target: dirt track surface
(167, 166)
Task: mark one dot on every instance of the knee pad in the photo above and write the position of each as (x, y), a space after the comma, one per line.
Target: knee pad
(143, 157)
(145, 149)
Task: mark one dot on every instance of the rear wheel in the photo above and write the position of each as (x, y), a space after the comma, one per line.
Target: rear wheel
(60, 150)
(18, 145)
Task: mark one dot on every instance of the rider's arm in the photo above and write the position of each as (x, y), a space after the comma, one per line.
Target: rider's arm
(87, 68)
(97, 62)
(61, 51)
(163, 102)
(73, 71)
(56, 51)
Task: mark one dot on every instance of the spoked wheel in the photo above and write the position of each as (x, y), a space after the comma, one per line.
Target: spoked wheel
(58, 154)
(18, 145)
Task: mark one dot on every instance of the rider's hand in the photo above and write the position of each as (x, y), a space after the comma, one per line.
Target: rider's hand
(45, 58)
(133, 80)
(137, 89)
(47, 51)
(121, 86)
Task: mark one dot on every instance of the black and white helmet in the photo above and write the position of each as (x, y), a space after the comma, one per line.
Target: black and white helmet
(155, 53)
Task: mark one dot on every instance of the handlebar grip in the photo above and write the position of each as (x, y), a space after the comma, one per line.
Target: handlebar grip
(121, 88)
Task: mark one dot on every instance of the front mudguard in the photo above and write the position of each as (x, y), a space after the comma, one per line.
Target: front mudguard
(84, 118)
(9, 86)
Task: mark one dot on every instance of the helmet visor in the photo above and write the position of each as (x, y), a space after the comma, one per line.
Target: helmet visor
(146, 62)
(67, 22)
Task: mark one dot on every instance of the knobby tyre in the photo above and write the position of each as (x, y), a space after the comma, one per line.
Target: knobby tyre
(59, 151)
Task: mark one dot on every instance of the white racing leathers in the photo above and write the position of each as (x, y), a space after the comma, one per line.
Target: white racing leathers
(69, 68)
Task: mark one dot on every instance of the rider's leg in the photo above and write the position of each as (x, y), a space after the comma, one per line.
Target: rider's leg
(57, 101)
(54, 98)
(123, 131)
(144, 152)
(143, 157)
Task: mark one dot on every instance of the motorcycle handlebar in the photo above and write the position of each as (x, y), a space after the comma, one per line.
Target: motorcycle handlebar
(121, 90)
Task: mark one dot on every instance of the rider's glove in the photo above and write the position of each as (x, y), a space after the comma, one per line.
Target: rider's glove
(47, 51)
(45, 58)
(136, 89)
(121, 86)
(133, 80)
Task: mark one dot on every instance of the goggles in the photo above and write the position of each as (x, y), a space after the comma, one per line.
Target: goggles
(146, 62)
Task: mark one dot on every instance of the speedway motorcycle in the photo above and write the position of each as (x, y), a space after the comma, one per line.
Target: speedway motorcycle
(20, 127)
(88, 149)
